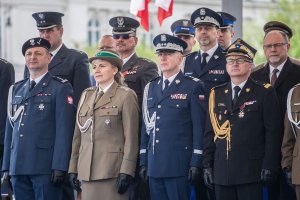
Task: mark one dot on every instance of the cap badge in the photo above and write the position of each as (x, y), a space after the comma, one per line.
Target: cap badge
(32, 42)
(185, 23)
(120, 21)
(39, 42)
(41, 16)
(202, 11)
(163, 38)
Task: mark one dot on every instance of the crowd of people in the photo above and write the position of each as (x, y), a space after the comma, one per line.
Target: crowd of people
(199, 125)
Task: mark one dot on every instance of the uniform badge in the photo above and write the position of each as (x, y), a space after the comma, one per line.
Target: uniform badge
(178, 96)
(177, 81)
(108, 122)
(202, 11)
(220, 117)
(32, 43)
(226, 91)
(163, 38)
(201, 97)
(216, 57)
(41, 107)
(124, 73)
(241, 114)
(185, 23)
(247, 89)
(120, 21)
(41, 16)
(70, 100)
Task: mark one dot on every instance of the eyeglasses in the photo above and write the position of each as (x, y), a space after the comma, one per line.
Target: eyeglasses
(276, 45)
(237, 61)
(122, 36)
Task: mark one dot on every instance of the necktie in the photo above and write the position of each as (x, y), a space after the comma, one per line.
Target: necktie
(274, 76)
(236, 89)
(98, 95)
(32, 84)
(166, 82)
(203, 63)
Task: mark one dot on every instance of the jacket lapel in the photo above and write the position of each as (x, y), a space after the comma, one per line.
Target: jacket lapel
(129, 63)
(212, 61)
(59, 57)
(39, 87)
(244, 95)
(283, 74)
(106, 98)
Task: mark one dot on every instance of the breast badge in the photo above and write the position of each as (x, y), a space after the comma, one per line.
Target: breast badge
(41, 107)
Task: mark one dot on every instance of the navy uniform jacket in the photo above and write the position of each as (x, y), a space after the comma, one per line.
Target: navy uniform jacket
(72, 65)
(288, 77)
(214, 72)
(180, 116)
(41, 138)
(7, 78)
(137, 73)
(255, 134)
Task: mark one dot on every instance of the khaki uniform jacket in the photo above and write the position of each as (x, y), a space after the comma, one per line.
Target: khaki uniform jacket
(110, 144)
(291, 143)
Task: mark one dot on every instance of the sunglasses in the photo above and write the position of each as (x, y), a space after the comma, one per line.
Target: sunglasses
(122, 36)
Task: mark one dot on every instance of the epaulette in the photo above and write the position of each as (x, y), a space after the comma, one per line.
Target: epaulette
(192, 78)
(5, 61)
(21, 81)
(191, 54)
(155, 79)
(262, 84)
(218, 86)
(258, 67)
(77, 51)
(124, 88)
(60, 79)
(146, 60)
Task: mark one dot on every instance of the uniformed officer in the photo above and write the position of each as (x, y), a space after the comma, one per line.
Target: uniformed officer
(7, 78)
(282, 72)
(291, 143)
(105, 142)
(173, 125)
(226, 30)
(65, 63)
(242, 137)
(208, 64)
(39, 128)
(137, 72)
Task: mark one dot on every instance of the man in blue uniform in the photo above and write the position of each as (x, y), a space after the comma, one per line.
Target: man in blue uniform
(208, 64)
(39, 129)
(226, 30)
(242, 137)
(65, 63)
(174, 115)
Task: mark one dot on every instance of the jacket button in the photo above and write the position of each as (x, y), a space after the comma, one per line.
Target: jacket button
(157, 141)
(21, 135)
(22, 124)
(159, 106)
(158, 117)
(177, 106)
(157, 129)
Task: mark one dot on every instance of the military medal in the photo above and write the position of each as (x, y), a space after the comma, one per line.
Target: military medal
(41, 107)
(241, 114)
(108, 122)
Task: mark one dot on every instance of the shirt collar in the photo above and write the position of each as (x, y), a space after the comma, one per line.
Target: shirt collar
(279, 67)
(171, 79)
(38, 79)
(53, 53)
(240, 85)
(106, 88)
(210, 52)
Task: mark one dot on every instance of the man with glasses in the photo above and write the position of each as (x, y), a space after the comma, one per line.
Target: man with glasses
(226, 30)
(137, 72)
(242, 138)
(208, 64)
(283, 74)
(174, 118)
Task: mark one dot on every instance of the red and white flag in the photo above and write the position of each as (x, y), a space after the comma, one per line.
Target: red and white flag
(140, 9)
(165, 9)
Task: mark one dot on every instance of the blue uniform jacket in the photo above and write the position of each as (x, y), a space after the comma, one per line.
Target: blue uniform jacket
(180, 116)
(214, 72)
(41, 138)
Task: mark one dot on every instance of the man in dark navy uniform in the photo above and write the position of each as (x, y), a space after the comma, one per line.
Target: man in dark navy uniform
(208, 64)
(137, 72)
(7, 78)
(39, 129)
(66, 63)
(242, 137)
(173, 125)
(226, 30)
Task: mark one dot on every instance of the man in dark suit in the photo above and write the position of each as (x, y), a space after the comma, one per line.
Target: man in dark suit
(66, 63)
(7, 78)
(208, 64)
(283, 74)
(242, 137)
(174, 115)
(39, 129)
(137, 72)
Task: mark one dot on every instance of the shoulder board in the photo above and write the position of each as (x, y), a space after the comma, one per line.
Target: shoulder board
(145, 60)
(192, 78)
(5, 61)
(155, 79)
(297, 85)
(21, 81)
(91, 88)
(192, 54)
(262, 84)
(258, 67)
(219, 86)
(77, 51)
(124, 88)
(60, 79)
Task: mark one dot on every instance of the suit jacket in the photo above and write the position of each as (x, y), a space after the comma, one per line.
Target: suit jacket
(291, 141)
(41, 137)
(179, 125)
(214, 72)
(288, 77)
(255, 134)
(72, 65)
(110, 145)
(7, 78)
(137, 73)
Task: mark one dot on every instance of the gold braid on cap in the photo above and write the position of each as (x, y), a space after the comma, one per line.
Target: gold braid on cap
(221, 132)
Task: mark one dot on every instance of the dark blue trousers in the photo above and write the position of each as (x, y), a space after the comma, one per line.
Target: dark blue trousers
(35, 187)
(173, 188)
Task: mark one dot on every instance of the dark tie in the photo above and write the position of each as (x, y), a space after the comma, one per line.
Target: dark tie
(236, 89)
(167, 82)
(32, 84)
(203, 63)
(274, 76)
